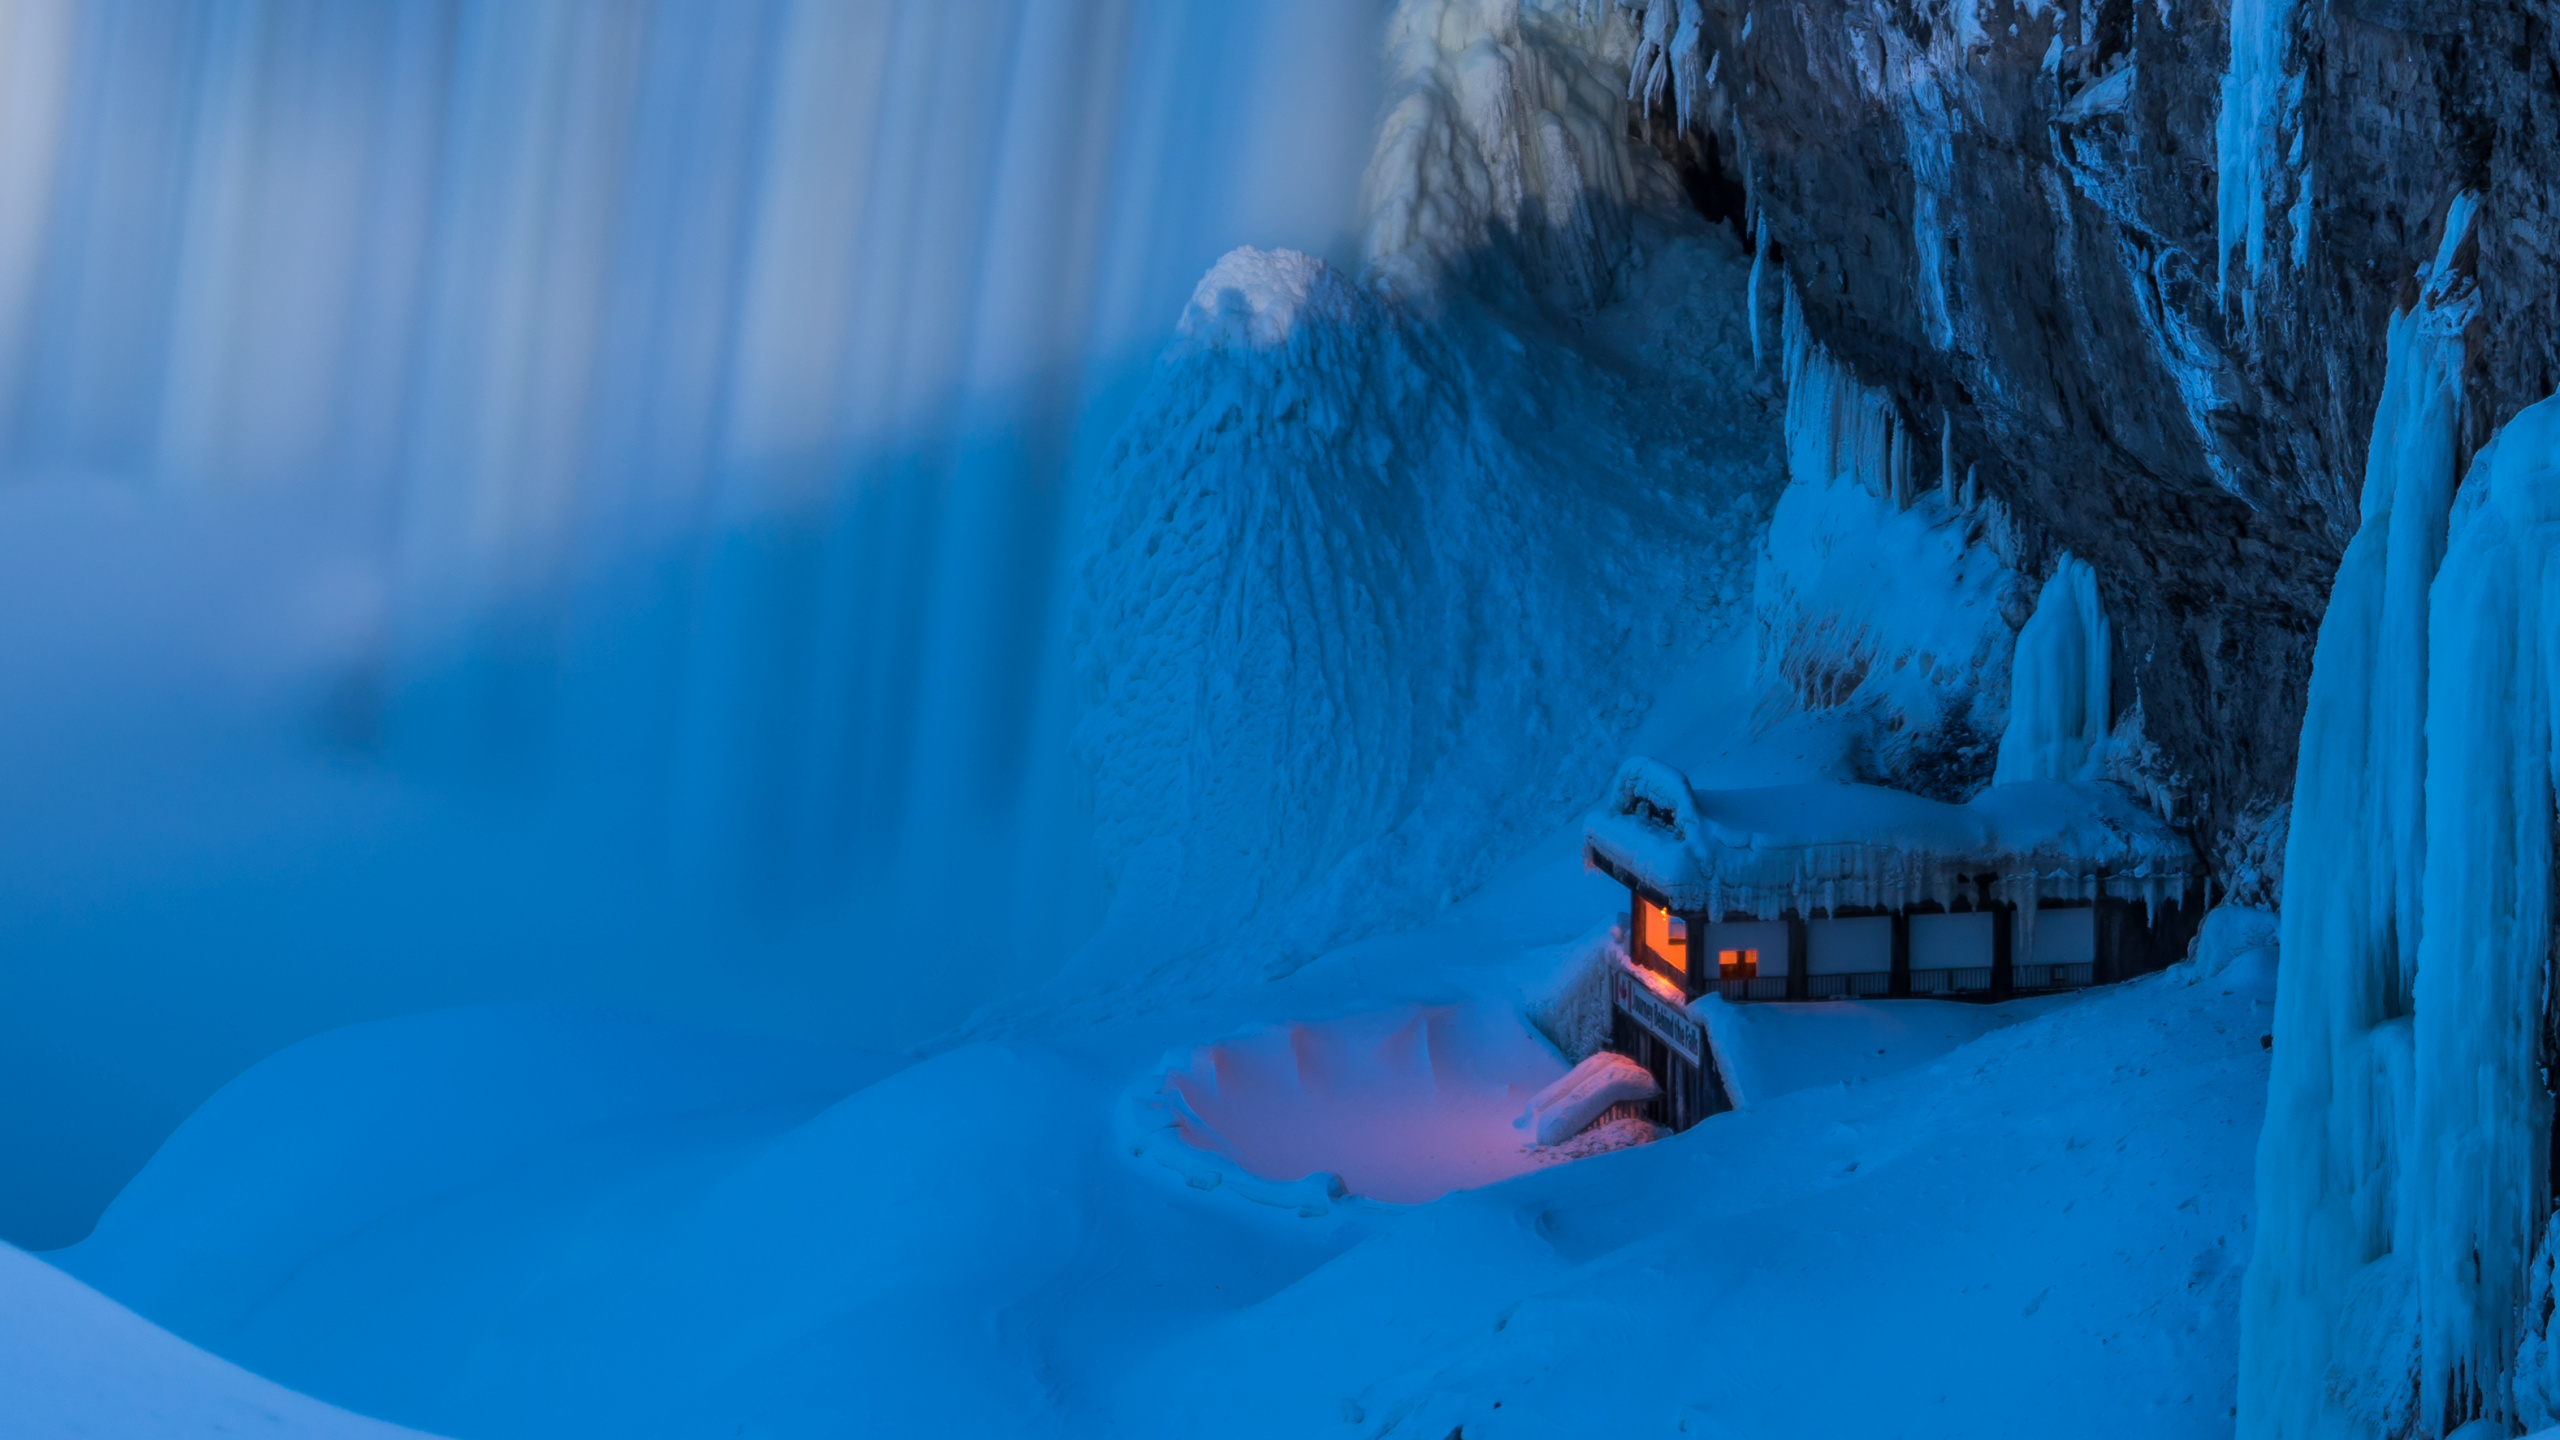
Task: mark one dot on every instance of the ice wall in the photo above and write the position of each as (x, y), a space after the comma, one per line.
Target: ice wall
(2058, 679)
(2352, 1184)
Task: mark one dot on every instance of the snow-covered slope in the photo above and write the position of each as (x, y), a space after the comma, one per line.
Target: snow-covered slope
(1372, 597)
(75, 1365)
(2040, 1232)
(1999, 1231)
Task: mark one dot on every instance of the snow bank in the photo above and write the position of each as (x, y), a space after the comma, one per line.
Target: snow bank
(1765, 1050)
(75, 1364)
(1581, 1095)
(2058, 681)
(1822, 846)
(743, 1243)
(1401, 1106)
(330, 1137)
(2399, 1174)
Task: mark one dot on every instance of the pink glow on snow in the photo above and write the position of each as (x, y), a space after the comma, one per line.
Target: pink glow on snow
(1404, 1105)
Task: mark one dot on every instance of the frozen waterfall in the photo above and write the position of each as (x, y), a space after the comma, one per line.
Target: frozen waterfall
(532, 498)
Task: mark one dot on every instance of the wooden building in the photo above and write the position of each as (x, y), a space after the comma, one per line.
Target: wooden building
(1843, 891)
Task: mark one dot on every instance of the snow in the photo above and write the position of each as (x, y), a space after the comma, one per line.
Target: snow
(1766, 1049)
(1387, 570)
(1996, 1241)
(1401, 1105)
(2058, 699)
(2041, 1217)
(74, 1363)
(1304, 691)
(678, 413)
(1822, 846)
(1568, 1106)
(2416, 740)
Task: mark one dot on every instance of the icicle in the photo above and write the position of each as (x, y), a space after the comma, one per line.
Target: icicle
(1759, 264)
(1684, 60)
(2058, 701)
(1946, 456)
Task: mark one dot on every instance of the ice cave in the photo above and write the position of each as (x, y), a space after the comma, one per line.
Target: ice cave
(1399, 719)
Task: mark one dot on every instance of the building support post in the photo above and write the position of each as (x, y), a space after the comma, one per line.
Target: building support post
(2004, 940)
(1798, 952)
(2106, 938)
(1898, 983)
(1693, 981)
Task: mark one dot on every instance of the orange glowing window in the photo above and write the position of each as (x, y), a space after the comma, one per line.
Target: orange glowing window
(1667, 936)
(1738, 964)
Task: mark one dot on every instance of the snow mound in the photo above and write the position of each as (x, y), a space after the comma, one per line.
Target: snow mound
(1567, 1107)
(1401, 1106)
(1353, 615)
(1252, 299)
(75, 1363)
(323, 1140)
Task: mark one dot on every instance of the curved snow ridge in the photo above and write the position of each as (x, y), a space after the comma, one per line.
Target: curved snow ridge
(323, 1139)
(75, 1363)
(1381, 1108)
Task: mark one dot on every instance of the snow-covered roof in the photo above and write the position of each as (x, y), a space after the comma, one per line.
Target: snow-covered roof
(1828, 846)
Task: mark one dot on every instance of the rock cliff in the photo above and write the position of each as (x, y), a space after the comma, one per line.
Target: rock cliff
(2135, 260)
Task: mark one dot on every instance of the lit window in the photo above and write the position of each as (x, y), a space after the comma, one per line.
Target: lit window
(1666, 937)
(1738, 964)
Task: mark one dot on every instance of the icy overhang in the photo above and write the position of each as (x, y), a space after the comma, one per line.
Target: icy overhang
(1764, 852)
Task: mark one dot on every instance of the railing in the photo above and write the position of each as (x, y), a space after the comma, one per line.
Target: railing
(1747, 987)
(1862, 984)
(1878, 984)
(1942, 982)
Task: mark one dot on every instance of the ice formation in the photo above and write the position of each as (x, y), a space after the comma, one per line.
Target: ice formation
(2260, 117)
(1505, 128)
(2058, 678)
(2404, 987)
(1871, 592)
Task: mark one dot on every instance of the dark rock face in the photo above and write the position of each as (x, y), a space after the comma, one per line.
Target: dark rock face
(2010, 219)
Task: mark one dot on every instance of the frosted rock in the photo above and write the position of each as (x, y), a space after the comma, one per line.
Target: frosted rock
(1254, 299)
